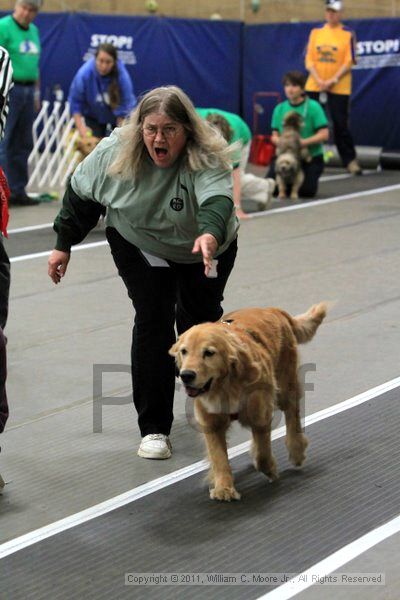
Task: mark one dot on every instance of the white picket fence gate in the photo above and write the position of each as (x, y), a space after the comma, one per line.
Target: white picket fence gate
(53, 157)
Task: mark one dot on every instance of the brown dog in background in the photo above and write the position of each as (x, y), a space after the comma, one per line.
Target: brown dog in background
(86, 145)
(244, 367)
(289, 152)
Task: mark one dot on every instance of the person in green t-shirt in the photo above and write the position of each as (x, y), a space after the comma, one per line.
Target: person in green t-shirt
(246, 186)
(20, 37)
(314, 129)
(165, 179)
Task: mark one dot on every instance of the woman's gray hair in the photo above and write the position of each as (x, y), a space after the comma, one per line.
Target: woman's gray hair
(37, 4)
(205, 147)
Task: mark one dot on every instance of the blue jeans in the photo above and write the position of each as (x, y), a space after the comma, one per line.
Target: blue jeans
(18, 141)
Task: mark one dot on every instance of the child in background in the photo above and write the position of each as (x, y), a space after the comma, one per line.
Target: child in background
(314, 130)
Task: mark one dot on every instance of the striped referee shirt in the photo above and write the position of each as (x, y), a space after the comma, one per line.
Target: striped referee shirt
(6, 84)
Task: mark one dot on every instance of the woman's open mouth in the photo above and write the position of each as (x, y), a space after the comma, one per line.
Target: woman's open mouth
(160, 152)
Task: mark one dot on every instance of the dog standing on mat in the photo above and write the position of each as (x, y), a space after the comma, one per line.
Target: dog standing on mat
(290, 153)
(243, 367)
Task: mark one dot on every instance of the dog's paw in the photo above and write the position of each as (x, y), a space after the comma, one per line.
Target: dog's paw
(294, 196)
(281, 196)
(297, 458)
(224, 494)
(268, 467)
(297, 450)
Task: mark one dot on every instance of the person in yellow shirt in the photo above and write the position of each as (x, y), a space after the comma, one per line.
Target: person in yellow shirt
(329, 58)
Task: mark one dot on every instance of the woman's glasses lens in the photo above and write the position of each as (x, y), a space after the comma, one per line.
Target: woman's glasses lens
(168, 132)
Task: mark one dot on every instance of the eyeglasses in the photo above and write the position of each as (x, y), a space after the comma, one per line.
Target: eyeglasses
(169, 132)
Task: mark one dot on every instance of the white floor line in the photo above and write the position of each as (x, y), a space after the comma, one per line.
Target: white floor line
(30, 228)
(250, 215)
(257, 214)
(15, 259)
(50, 225)
(42, 533)
(333, 562)
(344, 175)
(335, 177)
(389, 188)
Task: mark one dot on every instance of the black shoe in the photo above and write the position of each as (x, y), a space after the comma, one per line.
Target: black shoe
(22, 200)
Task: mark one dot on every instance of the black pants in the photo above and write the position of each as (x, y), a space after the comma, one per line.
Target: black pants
(162, 295)
(4, 284)
(339, 110)
(3, 377)
(312, 172)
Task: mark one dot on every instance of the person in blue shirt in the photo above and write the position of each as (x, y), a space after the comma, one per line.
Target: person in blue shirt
(101, 94)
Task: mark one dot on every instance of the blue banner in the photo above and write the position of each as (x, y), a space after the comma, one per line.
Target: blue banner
(228, 65)
(271, 50)
(202, 57)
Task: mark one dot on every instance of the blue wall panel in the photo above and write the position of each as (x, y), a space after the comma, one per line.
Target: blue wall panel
(203, 57)
(271, 50)
(224, 63)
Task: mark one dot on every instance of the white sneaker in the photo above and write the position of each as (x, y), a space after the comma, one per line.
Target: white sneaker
(354, 168)
(155, 445)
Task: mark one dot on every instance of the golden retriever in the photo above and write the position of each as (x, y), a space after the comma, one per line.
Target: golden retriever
(243, 367)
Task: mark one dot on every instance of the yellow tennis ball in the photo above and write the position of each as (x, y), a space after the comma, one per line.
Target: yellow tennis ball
(151, 6)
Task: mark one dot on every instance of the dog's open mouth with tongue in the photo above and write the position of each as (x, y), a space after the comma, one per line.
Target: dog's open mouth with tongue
(193, 392)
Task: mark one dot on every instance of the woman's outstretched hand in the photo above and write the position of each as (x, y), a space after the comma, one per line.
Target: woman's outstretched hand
(57, 265)
(207, 245)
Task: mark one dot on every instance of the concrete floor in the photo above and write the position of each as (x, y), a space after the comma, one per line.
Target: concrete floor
(54, 465)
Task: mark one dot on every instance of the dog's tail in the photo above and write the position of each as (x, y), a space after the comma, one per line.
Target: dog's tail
(305, 326)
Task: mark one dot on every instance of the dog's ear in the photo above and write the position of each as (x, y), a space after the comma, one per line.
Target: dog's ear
(241, 362)
(173, 351)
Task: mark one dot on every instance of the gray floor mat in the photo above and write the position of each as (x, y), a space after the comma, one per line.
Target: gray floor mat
(349, 485)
